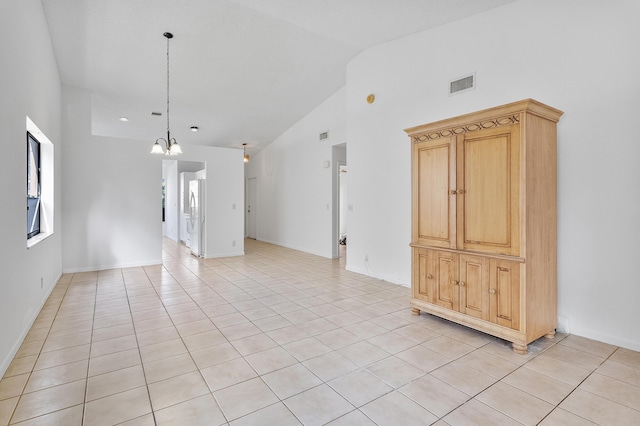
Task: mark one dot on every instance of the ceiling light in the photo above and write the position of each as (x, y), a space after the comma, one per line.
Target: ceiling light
(171, 144)
(123, 119)
(194, 129)
(246, 156)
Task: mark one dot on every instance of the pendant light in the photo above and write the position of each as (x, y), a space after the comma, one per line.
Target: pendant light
(246, 156)
(171, 144)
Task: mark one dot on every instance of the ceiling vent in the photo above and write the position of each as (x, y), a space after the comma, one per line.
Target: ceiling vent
(463, 84)
(324, 135)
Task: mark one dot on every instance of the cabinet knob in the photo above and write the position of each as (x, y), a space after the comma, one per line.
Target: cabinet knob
(492, 291)
(453, 192)
(460, 191)
(461, 283)
(429, 277)
(455, 282)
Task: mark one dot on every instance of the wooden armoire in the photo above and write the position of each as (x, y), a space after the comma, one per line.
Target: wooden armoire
(484, 221)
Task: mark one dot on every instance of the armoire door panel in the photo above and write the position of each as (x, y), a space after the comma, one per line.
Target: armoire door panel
(434, 168)
(488, 172)
(486, 183)
(446, 280)
(423, 275)
(504, 288)
(474, 281)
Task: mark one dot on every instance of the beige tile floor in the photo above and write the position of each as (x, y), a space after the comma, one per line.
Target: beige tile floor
(280, 337)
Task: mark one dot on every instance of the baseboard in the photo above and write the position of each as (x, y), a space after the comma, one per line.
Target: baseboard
(113, 266)
(12, 353)
(392, 280)
(292, 247)
(228, 254)
(605, 338)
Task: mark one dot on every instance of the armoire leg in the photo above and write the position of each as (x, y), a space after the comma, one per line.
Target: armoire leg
(519, 349)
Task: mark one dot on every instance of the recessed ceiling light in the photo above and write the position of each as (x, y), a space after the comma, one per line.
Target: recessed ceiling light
(194, 128)
(123, 119)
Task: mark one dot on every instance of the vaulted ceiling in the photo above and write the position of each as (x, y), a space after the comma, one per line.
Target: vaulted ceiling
(243, 71)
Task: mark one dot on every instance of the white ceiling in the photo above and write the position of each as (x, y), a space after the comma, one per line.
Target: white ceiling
(244, 71)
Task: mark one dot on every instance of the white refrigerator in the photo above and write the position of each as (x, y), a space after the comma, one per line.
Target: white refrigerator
(197, 216)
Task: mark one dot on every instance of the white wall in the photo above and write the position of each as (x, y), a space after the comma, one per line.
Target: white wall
(30, 86)
(580, 57)
(113, 195)
(112, 203)
(294, 189)
(172, 199)
(224, 223)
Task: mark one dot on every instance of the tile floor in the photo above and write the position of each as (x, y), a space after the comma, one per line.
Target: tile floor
(280, 337)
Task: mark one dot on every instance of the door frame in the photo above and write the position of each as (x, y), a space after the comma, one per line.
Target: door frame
(251, 208)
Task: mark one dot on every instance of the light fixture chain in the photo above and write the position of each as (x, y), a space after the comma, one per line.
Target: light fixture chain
(168, 131)
(172, 145)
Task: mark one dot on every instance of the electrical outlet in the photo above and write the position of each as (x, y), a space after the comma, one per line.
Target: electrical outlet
(41, 282)
(233, 243)
(366, 257)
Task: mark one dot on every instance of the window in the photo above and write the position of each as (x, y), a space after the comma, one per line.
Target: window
(33, 186)
(40, 185)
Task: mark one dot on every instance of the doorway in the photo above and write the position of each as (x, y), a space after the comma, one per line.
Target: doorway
(339, 181)
(176, 175)
(252, 187)
(342, 209)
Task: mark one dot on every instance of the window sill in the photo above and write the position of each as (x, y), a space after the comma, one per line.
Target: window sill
(38, 238)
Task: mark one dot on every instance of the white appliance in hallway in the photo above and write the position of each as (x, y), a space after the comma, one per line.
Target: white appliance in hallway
(196, 216)
(185, 225)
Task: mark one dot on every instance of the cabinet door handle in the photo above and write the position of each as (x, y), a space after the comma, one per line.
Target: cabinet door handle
(429, 277)
(461, 283)
(492, 291)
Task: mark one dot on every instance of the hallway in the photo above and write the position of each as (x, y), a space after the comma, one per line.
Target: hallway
(281, 337)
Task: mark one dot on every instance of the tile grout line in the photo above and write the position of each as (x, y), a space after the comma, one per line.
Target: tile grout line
(22, 393)
(231, 343)
(230, 281)
(135, 334)
(259, 376)
(86, 381)
(578, 385)
(182, 339)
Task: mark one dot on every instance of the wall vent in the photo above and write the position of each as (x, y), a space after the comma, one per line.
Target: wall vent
(462, 84)
(324, 135)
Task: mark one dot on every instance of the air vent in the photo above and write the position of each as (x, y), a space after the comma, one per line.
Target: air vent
(462, 84)
(156, 113)
(324, 135)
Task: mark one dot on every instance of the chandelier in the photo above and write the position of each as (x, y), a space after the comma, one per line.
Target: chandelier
(246, 156)
(171, 144)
